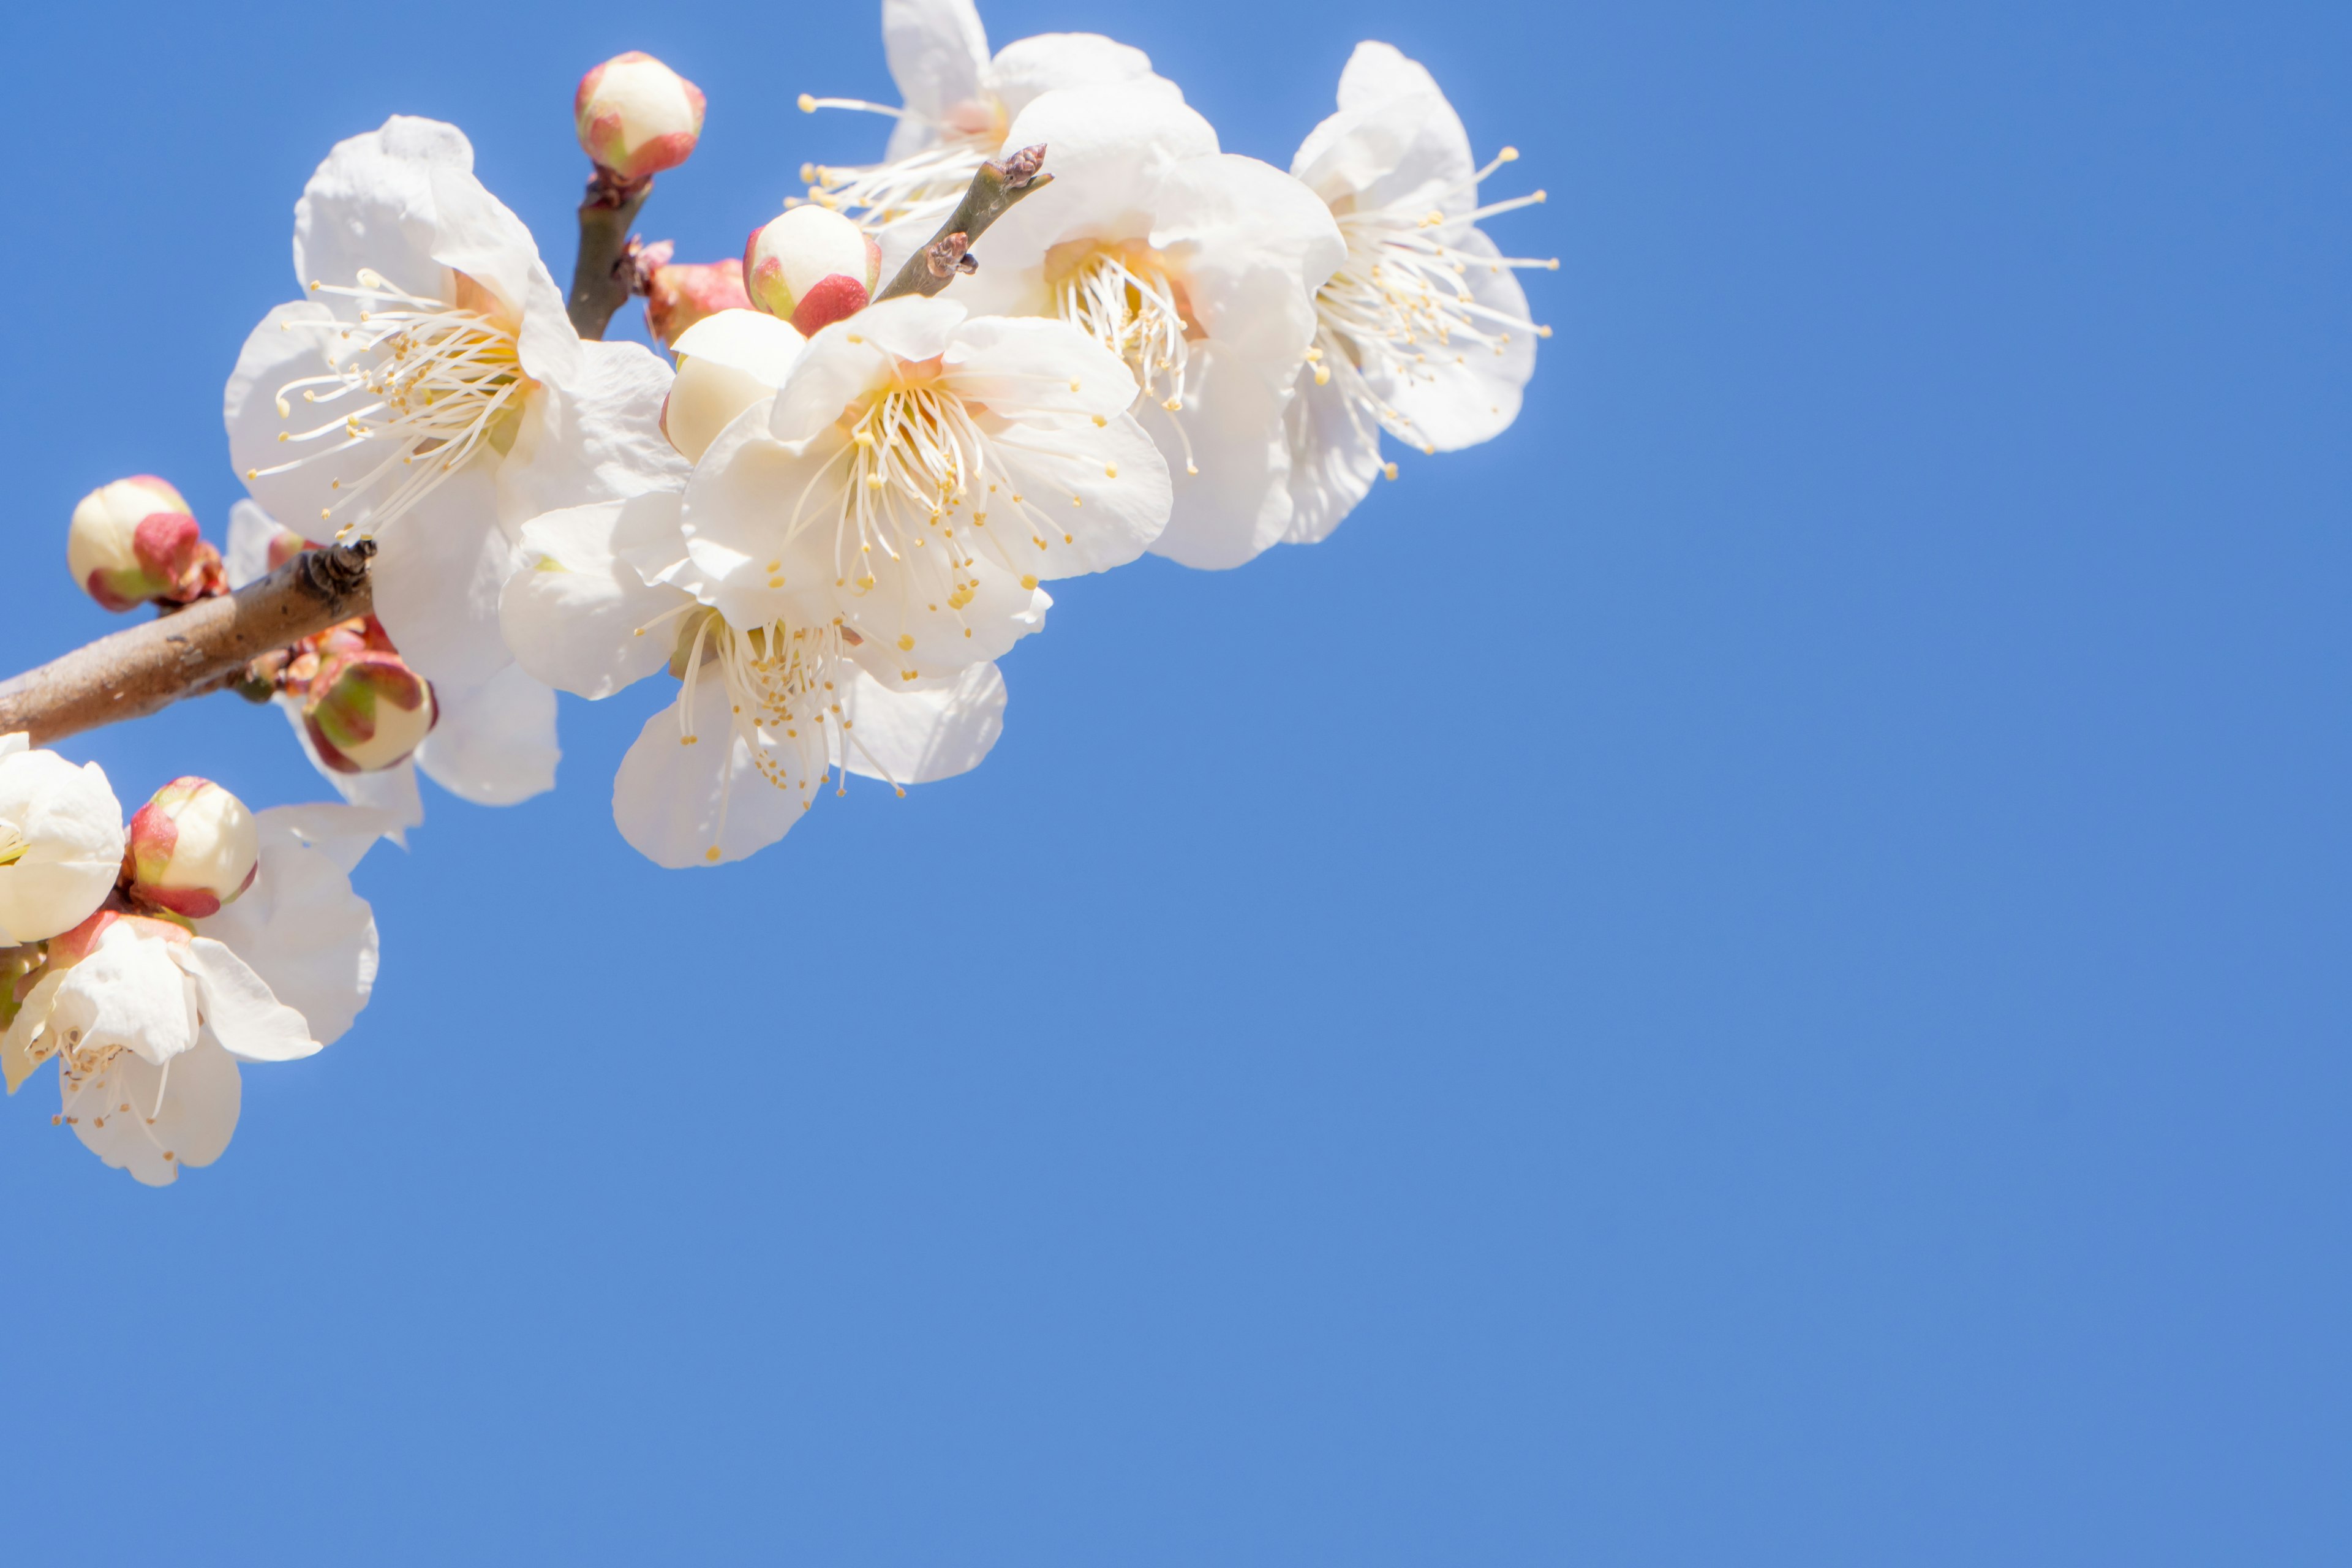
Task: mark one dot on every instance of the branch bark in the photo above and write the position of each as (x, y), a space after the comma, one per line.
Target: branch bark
(189, 652)
(602, 278)
(993, 193)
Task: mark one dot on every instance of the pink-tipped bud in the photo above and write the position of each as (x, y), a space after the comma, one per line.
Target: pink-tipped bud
(685, 292)
(813, 267)
(193, 848)
(637, 115)
(133, 541)
(367, 711)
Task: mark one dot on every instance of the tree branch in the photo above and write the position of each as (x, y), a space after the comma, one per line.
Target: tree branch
(189, 652)
(602, 278)
(994, 191)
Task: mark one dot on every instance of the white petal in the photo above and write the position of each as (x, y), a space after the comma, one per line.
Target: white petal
(251, 532)
(372, 204)
(704, 804)
(1108, 148)
(1238, 504)
(572, 611)
(239, 1008)
(129, 992)
(1407, 150)
(596, 437)
(761, 345)
(1252, 244)
(1334, 458)
(72, 830)
(343, 833)
(291, 343)
(300, 927)
(1464, 393)
(494, 743)
(1096, 496)
(936, 50)
(194, 1104)
(1376, 72)
(917, 737)
(475, 234)
(17, 1062)
(437, 574)
(1047, 62)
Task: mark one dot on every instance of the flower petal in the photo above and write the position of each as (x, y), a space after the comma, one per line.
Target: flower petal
(300, 929)
(937, 49)
(596, 437)
(575, 614)
(1463, 394)
(703, 802)
(291, 343)
(387, 793)
(1238, 504)
(72, 830)
(437, 574)
(372, 204)
(475, 234)
(129, 992)
(494, 743)
(917, 737)
(195, 1105)
(1334, 458)
(1048, 62)
(239, 1008)
(1252, 246)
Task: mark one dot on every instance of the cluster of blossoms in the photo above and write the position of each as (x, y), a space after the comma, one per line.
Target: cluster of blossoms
(824, 513)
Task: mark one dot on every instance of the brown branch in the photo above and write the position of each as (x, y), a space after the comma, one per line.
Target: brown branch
(991, 195)
(602, 277)
(189, 652)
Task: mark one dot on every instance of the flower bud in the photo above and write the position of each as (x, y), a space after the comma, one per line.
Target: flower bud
(637, 115)
(726, 362)
(367, 711)
(811, 266)
(685, 292)
(133, 541)
(193, 847)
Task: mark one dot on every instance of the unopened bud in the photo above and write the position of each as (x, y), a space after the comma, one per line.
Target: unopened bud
(726, 362)
(637, 115)
(367, 711)
(193, 847)
(685, 292)
(134, 541)
(811, 266)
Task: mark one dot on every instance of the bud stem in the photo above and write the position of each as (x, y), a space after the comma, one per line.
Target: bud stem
(602, 278)
(198, 650)
(993, 192)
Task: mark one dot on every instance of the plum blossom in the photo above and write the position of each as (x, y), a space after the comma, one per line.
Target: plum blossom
(60, 841)
(958, 103)
(492, 742)
(867, 529)
(636, 117)
(430, 394)
(148, 1017)
(1198, 269)
(1423, 332)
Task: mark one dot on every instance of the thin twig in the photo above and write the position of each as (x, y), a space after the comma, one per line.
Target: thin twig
(602, 277)
(994, 191)
(189, 652)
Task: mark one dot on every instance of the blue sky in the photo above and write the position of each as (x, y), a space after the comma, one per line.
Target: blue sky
(1753, 973)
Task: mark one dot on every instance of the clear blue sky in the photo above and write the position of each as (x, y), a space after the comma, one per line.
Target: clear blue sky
(1754, 972)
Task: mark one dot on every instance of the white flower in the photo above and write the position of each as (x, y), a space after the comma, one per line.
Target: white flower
(918, 475)
(60, 842)
(608, 596)
(493, 744)
(430, 394)
(959, 103)
(148, 1020)
(1424, 331)
(1199, 270)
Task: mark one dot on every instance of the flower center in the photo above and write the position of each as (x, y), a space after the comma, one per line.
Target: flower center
(780, 697)
(428, 383)
(1123, 298)
(1399, 297)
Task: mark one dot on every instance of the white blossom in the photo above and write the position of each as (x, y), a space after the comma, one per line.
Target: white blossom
(1198, 270)
(61, 839)
(148, 1018)
(1423, 331)
(958, 103)
(430, 394)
